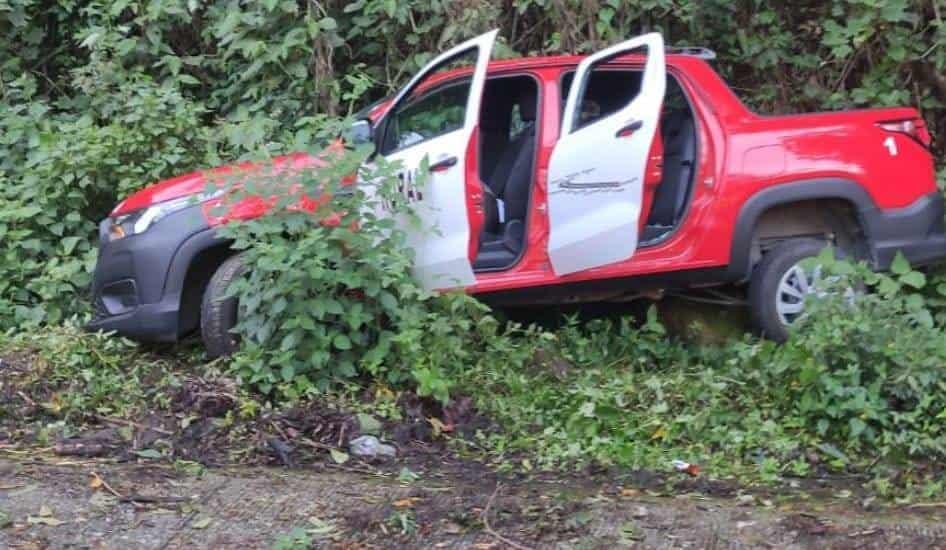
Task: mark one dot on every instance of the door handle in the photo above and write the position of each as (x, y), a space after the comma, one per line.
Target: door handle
(443, 165)
(629, 128)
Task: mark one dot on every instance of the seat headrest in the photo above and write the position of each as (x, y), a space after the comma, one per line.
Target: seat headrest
(527, 106)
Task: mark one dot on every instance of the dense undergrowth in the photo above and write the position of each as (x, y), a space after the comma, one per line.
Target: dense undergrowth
(858, 384)
(98, 99)
(861, 388)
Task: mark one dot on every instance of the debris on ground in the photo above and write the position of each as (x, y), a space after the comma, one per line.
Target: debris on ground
(458, 505)
(282, 450)
(686, 467)
(369, 446)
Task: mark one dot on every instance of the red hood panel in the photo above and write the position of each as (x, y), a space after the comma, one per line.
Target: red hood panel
(195, 182)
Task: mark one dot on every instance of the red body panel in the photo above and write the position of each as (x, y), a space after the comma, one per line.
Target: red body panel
(740, 154)
(196, 182)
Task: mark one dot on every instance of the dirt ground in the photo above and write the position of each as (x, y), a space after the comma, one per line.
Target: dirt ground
(186, 472)
(48, 502)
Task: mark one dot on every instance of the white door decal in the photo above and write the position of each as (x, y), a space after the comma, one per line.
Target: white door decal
(596, 171)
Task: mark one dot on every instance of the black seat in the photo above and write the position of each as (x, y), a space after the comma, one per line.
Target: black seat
(512, 176)
(507, 194)
(679, 138)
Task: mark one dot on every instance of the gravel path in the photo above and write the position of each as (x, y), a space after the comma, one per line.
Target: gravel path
(76, 505)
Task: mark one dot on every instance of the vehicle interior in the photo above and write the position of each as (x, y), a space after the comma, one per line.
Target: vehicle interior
(507, 158)
(664, 204)
(508, 150)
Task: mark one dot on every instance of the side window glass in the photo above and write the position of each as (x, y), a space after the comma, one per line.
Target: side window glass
(431, 115)
(420, 117)
(606, 92)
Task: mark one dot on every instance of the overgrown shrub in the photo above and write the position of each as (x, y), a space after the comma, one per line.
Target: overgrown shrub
(62, 173)
(861, 380)
(329, 296)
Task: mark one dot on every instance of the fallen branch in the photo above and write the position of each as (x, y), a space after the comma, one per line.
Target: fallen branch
(80, 448)
(26, 398)
(136, 499)
(101, 481)
(485, 518)
(316, 445)
(927, 505)
(132, 424)
(353, 469)
(145, 499)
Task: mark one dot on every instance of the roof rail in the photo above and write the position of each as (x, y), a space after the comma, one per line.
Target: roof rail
(693, 51)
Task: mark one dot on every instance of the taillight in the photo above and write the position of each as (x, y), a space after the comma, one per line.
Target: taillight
(913, 127)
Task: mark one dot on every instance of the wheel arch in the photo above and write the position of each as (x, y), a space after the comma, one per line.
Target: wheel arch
(193, 265)
(744, 247)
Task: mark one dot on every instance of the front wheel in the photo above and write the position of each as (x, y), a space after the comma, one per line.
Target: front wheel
(218, 311)
(780, 284)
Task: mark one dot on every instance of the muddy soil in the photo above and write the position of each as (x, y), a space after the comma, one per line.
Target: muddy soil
(48, 502)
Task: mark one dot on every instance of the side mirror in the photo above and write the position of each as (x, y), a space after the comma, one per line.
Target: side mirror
(360, 133)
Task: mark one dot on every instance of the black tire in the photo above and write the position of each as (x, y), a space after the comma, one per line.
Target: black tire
(218, 312)
(763, 286)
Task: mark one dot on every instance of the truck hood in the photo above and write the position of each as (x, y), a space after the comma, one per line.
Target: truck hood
(196, 182)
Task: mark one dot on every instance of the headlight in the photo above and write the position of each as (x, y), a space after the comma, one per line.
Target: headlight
(139, 221)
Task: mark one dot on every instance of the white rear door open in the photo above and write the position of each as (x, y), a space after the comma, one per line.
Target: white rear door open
(596, 172)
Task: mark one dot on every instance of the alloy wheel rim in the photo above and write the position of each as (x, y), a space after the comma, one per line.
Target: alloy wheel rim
(795, 286)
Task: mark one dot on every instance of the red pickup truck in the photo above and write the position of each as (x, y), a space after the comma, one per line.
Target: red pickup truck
(625, 173)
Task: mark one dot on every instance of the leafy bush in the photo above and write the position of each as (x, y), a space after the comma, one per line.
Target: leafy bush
(859, 381)
(62, 174)
(329, 295)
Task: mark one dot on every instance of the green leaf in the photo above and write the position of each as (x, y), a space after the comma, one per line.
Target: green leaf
(69, 244)
(287, 372)
(202, 523)
(149, 453)
(857, 427)
(900, 265)
(328, 24)
(340, 457)
(914, 279)
(368, 424)
(342, 342)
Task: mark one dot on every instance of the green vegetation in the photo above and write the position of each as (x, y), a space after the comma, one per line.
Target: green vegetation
(330, 297)
(860, 387)
(860, 382)
(100, 98)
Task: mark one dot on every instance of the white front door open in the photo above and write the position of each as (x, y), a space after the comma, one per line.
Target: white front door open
(430, 130)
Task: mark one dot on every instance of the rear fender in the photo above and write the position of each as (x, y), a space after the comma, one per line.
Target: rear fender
(740, 258)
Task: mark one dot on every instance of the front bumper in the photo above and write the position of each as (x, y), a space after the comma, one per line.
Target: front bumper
(917, 230)
(139, 281)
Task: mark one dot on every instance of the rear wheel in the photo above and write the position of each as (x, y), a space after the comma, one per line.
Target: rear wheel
(780, 285)
(219, 312)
